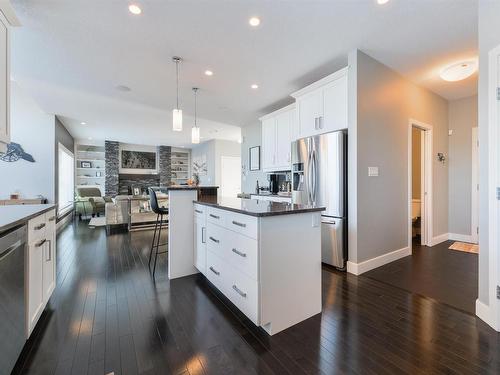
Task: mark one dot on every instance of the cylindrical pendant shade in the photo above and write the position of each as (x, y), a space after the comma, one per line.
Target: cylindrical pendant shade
(195, 135)
(177, 120)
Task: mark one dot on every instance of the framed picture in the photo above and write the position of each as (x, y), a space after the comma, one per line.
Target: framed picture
(136, 191)
(138, 160)
(98, 174)
(85, 164)
(254, 158)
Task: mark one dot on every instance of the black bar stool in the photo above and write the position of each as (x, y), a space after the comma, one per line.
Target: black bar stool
(160, 212)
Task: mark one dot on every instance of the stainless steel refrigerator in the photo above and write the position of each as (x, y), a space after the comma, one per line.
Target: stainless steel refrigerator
(319, 177)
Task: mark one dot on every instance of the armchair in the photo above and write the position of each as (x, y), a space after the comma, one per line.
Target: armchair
(90, 201)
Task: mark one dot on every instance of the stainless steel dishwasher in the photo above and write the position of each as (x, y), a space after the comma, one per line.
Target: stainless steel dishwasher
(12, 302)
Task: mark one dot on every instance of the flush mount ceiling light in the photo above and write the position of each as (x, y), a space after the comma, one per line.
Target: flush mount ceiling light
(382, 2)
(134, 9)
(123, 88)
(459, 71)
(255, 86)
(177, 112)
(195, 131)
(209, 73)
(254, 21)
(83, 123)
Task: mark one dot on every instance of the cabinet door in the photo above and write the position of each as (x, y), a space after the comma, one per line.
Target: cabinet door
(268, 144)
(35, 282)
(283, 141)
(4, 81)
(199, 245)
(48, 270)
(310, 110)
(335, 106)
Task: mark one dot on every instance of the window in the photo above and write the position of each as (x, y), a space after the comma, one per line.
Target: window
(66, 178)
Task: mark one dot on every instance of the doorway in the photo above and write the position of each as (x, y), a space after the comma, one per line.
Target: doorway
(419, 183)
(230, 176)
(475, 188)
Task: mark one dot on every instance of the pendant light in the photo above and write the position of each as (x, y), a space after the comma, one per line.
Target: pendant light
(195, 131)
(177, 112)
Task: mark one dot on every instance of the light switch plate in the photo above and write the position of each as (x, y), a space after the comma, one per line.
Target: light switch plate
(372, 171)
(450, 132)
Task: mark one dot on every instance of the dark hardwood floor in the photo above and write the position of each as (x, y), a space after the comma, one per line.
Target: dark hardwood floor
(107, 315)
(448, 276)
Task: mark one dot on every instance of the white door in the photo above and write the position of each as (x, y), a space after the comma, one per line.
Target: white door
(48, 270)
(283, 141)
(475, 187)
(268, 143)
(310, 110)
(230, 176)
(199, 245)
(35, 282)
(334, 106)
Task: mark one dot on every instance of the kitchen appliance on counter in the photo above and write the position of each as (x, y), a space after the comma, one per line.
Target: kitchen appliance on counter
(12, 319)
(278, 182)
(319, 177)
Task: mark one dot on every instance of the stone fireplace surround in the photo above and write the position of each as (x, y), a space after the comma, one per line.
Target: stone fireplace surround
(121, 184)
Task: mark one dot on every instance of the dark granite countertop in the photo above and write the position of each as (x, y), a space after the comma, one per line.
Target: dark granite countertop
(187, 187)
(272, 195)
(11, 216)
(259, 208)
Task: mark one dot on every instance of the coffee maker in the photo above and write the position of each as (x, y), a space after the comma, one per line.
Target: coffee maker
(274, 183)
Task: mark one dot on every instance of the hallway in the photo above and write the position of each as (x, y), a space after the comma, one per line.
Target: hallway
(106, 315)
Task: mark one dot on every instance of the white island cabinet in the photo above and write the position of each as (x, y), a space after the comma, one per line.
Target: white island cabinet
(265, 257)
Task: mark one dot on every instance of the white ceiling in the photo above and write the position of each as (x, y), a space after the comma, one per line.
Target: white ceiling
(71, 54)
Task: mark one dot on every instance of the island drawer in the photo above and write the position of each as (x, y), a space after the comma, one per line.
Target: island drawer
(242, 253)
(217, 271)
(216, 239)
(244, 224)
(37, 228)
(199, 210)
(215, 216)
(243, 292)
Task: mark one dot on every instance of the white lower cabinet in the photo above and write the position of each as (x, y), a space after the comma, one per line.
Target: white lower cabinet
(41, 266)
(200, 242)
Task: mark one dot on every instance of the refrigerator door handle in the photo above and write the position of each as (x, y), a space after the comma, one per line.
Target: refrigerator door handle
(309, 179)
(314, 176)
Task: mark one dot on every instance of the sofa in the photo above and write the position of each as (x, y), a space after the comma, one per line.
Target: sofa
(89, 201)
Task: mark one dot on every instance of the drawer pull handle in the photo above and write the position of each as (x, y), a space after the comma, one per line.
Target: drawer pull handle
(198, 211)
(244, 295)
(214, 239)
(239, 253)
(214, 216)
(40, 243)
(214, 271)
(239, 224)
(52, 218)
(38, 227)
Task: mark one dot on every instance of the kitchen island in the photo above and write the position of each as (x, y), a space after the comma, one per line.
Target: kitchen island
(264, 256)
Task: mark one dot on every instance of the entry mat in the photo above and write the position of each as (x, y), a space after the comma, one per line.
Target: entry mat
(465, 247)
(97, 222)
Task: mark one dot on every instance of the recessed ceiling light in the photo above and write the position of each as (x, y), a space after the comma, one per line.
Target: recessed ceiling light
(123, 88)
(459, 71)
(382, 2)
(209, 73)
(134, 9)
(90, 138)
(254, 21)
(255, 86)
(83, 123)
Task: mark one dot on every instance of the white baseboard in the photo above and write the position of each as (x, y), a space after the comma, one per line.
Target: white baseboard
(438, 239)
(460, 237)
(484, 313)
(64, 221)
(367, 265)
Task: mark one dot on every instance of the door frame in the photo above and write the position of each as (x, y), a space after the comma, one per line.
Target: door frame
(427, 172)
(474, 228)
(222, 158)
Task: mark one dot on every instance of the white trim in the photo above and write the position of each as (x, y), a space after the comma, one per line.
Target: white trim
(439, 239)
(322, 82)
(461, 237)
(63, 222)
(493, 204)
(483, 312)
(474, 222)
(370, 264)
(289, 107)
(427, 203)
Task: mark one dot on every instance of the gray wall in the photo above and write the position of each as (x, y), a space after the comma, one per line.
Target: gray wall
(63, 136)
(251, 136)
(385, 103)
(489, 37)
(462, 118)
(112, 164)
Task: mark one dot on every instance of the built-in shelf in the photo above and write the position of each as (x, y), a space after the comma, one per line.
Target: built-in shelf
(180, 166)
(95, 156)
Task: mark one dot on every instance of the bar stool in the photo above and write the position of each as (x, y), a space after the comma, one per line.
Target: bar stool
(160, 212)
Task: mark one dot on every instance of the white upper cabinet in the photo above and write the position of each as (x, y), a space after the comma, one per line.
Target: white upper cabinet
(278, 131)
(322, 106)
(7, 19)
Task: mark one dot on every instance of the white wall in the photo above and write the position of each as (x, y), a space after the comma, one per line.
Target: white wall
(34, 130)
(462, 118)
(251, 136)
(384, 103)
